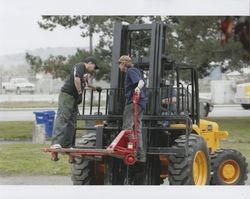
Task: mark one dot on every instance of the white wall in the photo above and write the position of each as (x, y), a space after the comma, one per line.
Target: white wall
(222, 91)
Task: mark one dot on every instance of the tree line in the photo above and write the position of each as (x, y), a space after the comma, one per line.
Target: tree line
(190, 39)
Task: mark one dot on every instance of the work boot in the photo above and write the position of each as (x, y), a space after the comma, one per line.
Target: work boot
(56, 146)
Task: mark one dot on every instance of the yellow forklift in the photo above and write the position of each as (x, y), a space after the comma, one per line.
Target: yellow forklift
(180, 147)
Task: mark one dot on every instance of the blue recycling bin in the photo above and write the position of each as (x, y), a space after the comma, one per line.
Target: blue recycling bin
(46, 118)
(39, 117)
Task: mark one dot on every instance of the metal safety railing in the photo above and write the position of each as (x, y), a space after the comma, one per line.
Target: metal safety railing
(172, 100)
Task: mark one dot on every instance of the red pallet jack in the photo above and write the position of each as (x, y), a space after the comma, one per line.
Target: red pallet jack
(123, 147)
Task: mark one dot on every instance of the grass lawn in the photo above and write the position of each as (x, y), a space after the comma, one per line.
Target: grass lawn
(238, 128)
(17, 129)
(39, 104)
(31, 104)
(24, 129)
(28, 159)
(239, 133)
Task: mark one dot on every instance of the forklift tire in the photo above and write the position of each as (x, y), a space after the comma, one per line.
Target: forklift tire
(229, 167)
(245, 106)
(84, 171)
(149, 173)
(193, 169)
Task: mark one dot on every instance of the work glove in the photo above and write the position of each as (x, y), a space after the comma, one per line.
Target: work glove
(137, 90)
(99, 89)
(79, 99)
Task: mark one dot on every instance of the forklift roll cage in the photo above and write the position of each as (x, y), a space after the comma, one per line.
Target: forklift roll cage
(154, 66)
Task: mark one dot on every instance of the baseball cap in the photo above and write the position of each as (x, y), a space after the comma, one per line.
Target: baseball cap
(92, 60)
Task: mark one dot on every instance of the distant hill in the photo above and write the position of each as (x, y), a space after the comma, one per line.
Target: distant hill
(46, 52)
(13, 61)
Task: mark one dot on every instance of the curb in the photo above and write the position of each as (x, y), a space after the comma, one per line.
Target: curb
(28, 109)
(15, 139)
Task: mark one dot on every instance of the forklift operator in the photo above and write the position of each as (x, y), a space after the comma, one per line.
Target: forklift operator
(168, 100)
(169, 94)
(133, 82)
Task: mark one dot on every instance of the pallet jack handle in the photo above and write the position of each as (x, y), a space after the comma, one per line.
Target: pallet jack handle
(136, 98)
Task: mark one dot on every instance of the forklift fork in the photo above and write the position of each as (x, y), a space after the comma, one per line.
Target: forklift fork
(124, 146)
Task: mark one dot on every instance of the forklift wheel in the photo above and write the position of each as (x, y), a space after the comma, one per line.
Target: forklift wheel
(193, 169)
(245, 106)
(229, 167)
(86, 171)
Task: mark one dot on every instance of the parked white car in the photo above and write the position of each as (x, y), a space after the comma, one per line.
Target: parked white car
(242, 95)
(18, 85)
(206, 105)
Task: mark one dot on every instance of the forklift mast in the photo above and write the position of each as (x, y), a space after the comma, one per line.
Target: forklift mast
(146, 45)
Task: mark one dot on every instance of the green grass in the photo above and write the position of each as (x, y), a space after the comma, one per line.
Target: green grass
(17, 129)
(238, 128)
(239, 133)
(46, 104)
(27, 104)
(24, 129)
(28, 159)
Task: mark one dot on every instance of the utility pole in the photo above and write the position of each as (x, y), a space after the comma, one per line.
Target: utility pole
(91, 35)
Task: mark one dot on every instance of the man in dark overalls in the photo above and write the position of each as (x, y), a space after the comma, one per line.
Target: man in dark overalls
(69, 98)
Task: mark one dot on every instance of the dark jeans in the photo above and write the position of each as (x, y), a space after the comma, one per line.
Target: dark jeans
(65, 122)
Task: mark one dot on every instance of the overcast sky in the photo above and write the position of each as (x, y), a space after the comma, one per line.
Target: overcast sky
(19, 30)
(22, 33)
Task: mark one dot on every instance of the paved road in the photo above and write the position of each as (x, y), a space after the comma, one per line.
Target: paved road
(28, 115)
(29, 98)
(47, 180)
(228, 111)
(35, 180)
(21, 114)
